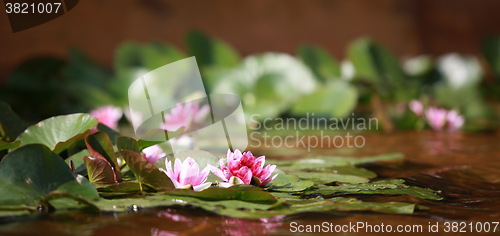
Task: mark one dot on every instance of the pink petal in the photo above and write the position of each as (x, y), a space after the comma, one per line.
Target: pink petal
(218, 172)
(268, 180)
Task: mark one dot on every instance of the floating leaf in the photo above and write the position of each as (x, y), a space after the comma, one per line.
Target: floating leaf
(268, 84)
(289, 183)
(324, 178)
(123, 187)
(211, 52)
(243, 209)
(376, 65)
(32, 171)
(333, 161)
(320, 62)
(336, 99)
(59, 132)
(218, 194)
(395, 186)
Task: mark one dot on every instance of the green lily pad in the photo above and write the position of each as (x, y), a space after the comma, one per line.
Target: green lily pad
(30, 172)
(289, 183)
(320, 62)
(218, 194)
(211, 52)
(324, 178)
(335, 99)
(333, 161)
(59, 132)
(388, 187)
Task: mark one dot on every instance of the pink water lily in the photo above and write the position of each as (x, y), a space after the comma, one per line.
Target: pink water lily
(187, 174)
(436, 117)
(153, 153)
(185, 115)
(455, 121)
(244, 168)
(417, 107)
(108, 115)
(439, 118)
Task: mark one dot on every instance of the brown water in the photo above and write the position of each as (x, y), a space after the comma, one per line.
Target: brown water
(465, 167)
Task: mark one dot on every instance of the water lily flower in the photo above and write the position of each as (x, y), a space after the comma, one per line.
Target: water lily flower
(108, 115)
(455, 121)
(439, 118)
(417, 107)
(244, 168)
(153, 153)
(436, 117)
(185, 115)
(187, 174)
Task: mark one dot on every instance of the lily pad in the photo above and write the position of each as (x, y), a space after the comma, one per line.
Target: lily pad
(218, 194)
(324, 178)
(389, 187)
(333, 161)
(29, 173)
(59, 132)
(289, 183)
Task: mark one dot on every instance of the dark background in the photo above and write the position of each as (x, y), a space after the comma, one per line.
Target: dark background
(408, 27)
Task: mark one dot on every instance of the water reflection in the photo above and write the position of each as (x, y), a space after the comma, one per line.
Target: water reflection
(242, 227)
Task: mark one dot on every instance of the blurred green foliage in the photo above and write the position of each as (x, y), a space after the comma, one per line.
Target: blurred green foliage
(269, 84)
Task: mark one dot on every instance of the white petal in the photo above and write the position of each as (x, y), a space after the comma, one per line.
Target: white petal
(202, 186)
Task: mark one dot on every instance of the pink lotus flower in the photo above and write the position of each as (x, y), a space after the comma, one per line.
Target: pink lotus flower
(108, 115)
(185, 115)
(153, 153)
(187, 174)
(455, 121)
(244, 168)
(417, 107)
